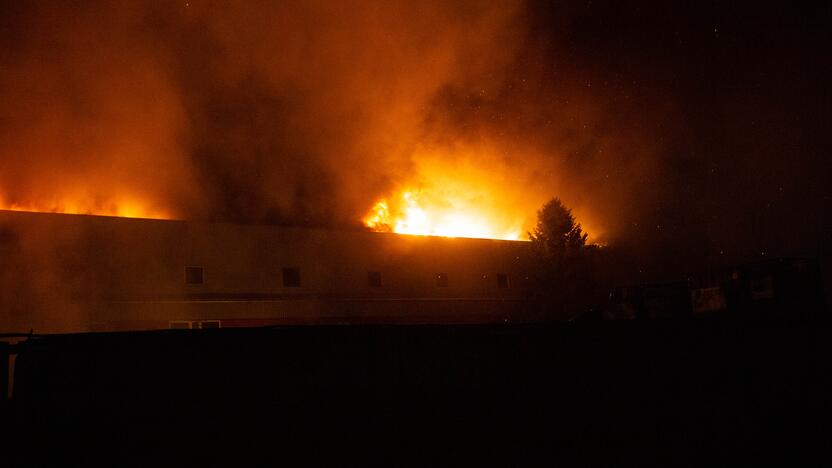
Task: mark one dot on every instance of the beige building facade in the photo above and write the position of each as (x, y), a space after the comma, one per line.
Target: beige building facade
(77, 273)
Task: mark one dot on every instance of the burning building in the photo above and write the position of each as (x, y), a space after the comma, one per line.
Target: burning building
(70, 273)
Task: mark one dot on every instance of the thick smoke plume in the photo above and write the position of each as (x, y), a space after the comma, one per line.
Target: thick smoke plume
(306, 112)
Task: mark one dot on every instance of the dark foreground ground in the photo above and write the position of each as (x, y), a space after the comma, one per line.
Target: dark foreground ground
(692, 393)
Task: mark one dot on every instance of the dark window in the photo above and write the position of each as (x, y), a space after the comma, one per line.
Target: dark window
(194, 275)
(762, 288)
(7, 236)
(374, 279)
(291, 277)
(442, 280)
(209, 324)
(502, 280)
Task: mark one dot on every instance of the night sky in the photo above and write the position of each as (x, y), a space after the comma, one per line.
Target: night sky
(744, 149)
(691, 134)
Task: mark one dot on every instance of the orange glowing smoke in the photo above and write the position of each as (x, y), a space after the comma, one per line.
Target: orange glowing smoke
(125, 208)
(426, 214)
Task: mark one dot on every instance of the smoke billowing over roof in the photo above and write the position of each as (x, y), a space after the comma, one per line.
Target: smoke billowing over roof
(310, 112)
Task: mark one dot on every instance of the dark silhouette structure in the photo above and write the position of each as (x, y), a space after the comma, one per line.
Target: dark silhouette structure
(662, 393)
(777, 289)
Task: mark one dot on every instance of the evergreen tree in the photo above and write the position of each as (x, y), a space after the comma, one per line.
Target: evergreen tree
(563, 262)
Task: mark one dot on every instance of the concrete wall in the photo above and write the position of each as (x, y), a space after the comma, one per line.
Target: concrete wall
(77, 273)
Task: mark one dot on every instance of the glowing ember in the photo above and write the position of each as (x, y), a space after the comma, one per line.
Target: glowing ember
(419, 213)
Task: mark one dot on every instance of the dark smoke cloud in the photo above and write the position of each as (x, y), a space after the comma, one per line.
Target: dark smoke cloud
(306, 112)
(288, 112)
(310, 110)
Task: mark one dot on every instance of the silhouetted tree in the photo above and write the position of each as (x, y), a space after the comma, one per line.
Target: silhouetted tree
(557, 235)
(564, 263)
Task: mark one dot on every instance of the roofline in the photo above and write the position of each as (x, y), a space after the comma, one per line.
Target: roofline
(356, 229)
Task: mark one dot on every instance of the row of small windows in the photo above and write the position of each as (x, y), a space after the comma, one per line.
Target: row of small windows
(291, 278)
(194, 324)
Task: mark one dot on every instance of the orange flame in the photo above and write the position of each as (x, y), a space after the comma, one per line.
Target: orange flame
(425, 214)
(124, 208)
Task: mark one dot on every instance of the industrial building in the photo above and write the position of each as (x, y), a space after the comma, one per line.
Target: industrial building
(78, 273)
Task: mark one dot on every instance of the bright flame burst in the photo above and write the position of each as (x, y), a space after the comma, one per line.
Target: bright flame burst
(420, 214)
